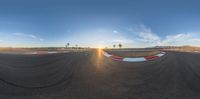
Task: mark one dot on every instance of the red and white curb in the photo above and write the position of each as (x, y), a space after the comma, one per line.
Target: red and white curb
(138, 59)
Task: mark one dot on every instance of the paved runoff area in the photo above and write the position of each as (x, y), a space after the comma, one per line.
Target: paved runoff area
(92, 75)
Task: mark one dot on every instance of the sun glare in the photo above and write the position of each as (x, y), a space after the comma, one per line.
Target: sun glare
(99, 51)
(99, 48)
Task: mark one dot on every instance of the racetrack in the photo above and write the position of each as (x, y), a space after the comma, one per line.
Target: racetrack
(90, 75)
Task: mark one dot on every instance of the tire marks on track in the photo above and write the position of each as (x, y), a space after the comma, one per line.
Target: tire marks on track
(59, 70)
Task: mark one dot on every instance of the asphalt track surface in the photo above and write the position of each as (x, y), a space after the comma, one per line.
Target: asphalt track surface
(90, 75)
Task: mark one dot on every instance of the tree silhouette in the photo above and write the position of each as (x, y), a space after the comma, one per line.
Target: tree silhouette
(114, 45)
(67, 45)
(120, 45)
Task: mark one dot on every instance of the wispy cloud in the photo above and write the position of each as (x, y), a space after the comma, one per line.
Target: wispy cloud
(41, 39)
(28, 36)
(182, 39)
(145, 35)
(115, 32)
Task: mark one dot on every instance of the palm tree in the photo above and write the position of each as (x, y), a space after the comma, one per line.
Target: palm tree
(114, 45)
(120, 45)
(67, 45)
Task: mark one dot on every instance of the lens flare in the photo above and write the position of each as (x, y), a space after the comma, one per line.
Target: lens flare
(100, 48)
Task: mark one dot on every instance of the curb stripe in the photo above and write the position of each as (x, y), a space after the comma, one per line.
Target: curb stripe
(150, 57)
(138, 59)
(141, 59)
(106, 54)
(116, 57)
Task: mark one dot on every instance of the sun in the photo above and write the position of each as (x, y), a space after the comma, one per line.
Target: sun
(99, 48)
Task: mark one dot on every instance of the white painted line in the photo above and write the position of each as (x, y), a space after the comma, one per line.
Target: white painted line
(159, 55)
(52, 52)
(140, 59)
(197, 51)
(31, 53)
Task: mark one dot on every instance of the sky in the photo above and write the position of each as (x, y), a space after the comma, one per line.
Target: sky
(99, 23)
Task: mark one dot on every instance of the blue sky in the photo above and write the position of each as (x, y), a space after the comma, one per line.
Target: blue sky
(99, 23)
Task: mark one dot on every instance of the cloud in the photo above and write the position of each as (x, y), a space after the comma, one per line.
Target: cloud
(195, 40)
(182, 39)
(116, 41)
(25, 35)
(145, 36)
(121, 41)
(28, 36)
(41, 39)
(115, 32)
